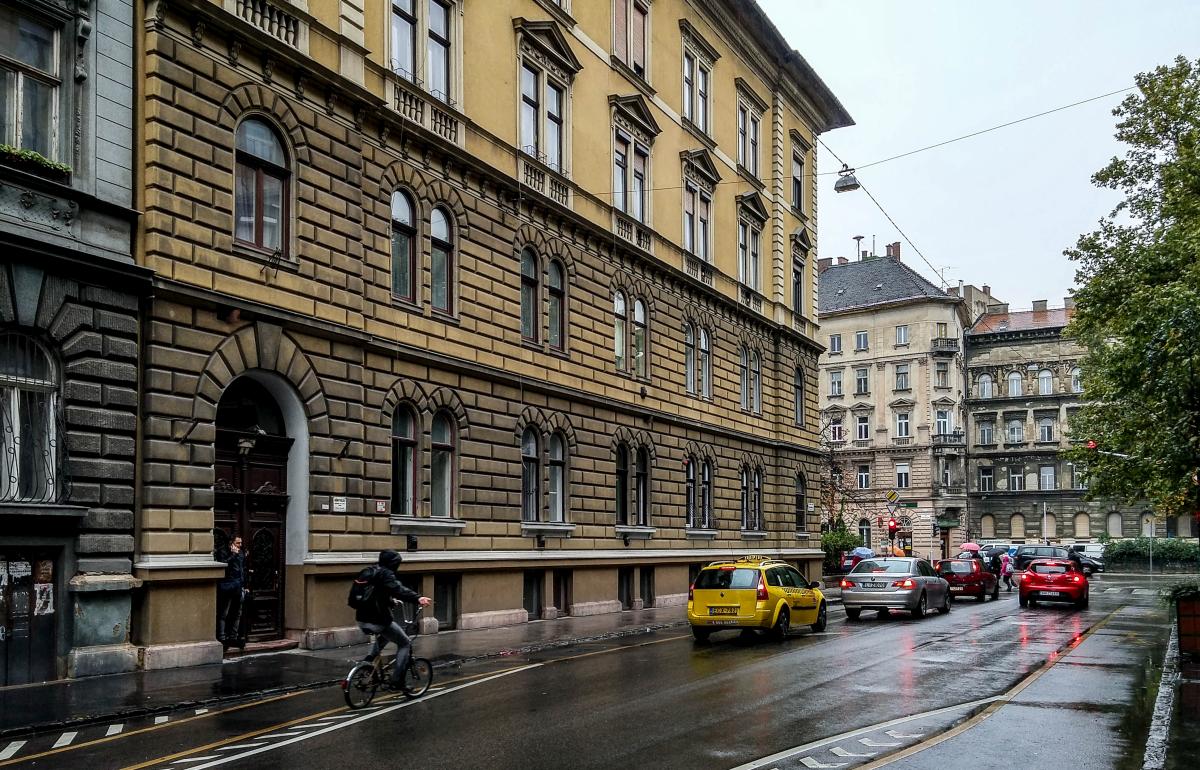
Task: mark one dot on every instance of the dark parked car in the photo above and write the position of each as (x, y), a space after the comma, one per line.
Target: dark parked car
(1027, 553)
(969, 577)
(1089, 565)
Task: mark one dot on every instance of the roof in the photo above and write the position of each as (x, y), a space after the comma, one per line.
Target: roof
(873, 281)
(1022, 320)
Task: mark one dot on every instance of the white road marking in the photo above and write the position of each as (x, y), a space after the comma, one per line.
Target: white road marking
(876, 744)
(838, 751)
(1145, 592)
(160, 720)
(201, 711)
(895, 734)
(237, 746)
(197, 759)
(113, 730)
(11, 749)
(786, 753)
(810, 762)
(362, 718)
(281, 735)
(1113, 590)
(64, 740)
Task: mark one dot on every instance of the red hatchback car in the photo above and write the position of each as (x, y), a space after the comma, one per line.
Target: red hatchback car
(967, 577)
(1053, 580)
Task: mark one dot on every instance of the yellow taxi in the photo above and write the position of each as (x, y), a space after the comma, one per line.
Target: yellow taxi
(754, 592)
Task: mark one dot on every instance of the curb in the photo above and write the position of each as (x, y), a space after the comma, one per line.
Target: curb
(1157, 742)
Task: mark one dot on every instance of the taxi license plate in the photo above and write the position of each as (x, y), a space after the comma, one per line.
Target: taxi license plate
(956, 589)
(1050, 593)
(722, 610)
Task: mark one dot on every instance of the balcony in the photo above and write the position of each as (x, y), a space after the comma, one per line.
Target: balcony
(544, 179)
(634, 232)
(698, 269)
(943, 346)
(424, 109)
(862, 443)
(950, 490)
(751, 299)
(902, 441)
(285, 27)
(949, 439)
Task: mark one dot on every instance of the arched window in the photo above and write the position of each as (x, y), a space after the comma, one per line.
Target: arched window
(1083, 525)
(622, 484)
(745, 356)
(1014, 383)
(798, 395)
(1050, 526)
(260, 187)
(556, 305)
(529, 295)
(531, 476)
(755, 383)
(987, 526)
(441, 260)
(705, 364)
(28, 421)
(639, 339)
(801, 504)
(442, 466)
(1184, 526)
(557, 496)
(404, 462)
(1077, 380)
(706, 480)
(864, 531)
(619, 319)
(690, 501)
(641, 487)
(1045, 382)
(985, 386)
(404, 253)
(689, 358)
(1113, 525)
(746, 497)
(1016, 525)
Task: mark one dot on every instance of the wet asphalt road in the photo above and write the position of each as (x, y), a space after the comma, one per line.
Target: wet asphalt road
(858, 692)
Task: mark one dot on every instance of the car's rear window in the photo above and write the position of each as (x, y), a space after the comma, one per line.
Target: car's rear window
(957, 567)
(1049, 569)
(891, 566)
(723, 577)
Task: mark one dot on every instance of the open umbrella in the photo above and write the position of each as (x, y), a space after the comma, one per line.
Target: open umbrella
(969, 547)
(862, 551)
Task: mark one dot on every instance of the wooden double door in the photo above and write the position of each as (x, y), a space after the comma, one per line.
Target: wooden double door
(251, 501)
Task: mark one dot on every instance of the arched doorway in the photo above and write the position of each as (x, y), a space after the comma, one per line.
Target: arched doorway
(251, 497)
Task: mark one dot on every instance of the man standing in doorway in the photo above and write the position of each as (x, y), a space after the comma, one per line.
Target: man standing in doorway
(231, 594)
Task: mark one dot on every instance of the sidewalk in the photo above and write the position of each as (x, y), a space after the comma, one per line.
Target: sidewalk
(68, 702)
(1183, 745)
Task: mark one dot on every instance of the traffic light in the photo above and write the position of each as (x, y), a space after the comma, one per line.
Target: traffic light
(893, 526)
(1091, 444)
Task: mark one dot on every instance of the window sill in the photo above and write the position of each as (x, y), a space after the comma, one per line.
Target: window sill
(1014, 444)
(639, 81)
(634, 532)
(836, 395)
(445, 317)
(417, 525)
(547, 528)
(42, 509)
(803, 535)
(268, 258)
(861, 350)
(698, 533)
(862, 393)
(1047, 443)
(899, 345)
(799, 214)
(986, 446)
(754, 534)
(833, 352)
(942, 387)
(902, 390)
(749, 176)
(556, 10)
(699, 133)
(406, 304)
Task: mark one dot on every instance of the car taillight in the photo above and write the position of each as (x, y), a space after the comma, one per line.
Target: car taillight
(974, 566)
(905, 583)
(762, 588)
(845, 584)
(1076, 578)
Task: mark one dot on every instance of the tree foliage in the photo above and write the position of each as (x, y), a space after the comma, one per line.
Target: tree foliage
(1138, 308)
(835, 543)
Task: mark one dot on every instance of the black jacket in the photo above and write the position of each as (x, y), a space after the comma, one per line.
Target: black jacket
(235, 571)
(387, 587)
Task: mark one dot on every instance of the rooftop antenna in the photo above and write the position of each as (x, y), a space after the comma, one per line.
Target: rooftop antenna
(858, 246)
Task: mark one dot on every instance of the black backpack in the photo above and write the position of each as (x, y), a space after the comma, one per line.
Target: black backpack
(362, 590)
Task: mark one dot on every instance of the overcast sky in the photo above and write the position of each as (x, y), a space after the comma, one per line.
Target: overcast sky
(1000, 208)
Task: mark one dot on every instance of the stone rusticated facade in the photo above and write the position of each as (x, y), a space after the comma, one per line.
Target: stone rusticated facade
(323, 331)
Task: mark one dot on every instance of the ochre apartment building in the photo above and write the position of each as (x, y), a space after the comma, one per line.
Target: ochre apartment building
(523, 289)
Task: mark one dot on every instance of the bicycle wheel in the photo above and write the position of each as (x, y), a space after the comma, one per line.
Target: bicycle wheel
(359, 685)
(418, 677)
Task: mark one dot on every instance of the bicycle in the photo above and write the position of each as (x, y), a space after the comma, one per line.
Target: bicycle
(366, 677)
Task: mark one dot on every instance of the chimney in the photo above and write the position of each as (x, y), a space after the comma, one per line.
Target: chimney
(1069, 303)
(823, 264)
(843, 261)
(998, 307)
(987, 290)
(893, 250)
(1039, 306)
(865, 254)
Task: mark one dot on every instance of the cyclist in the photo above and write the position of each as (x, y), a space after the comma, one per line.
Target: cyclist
(376, 616)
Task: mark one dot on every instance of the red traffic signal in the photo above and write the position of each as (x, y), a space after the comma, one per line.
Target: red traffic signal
(1091, 444)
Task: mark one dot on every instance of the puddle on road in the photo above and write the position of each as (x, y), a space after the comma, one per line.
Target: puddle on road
(1135, 727)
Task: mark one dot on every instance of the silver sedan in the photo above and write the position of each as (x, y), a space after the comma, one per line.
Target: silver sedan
(894, 584)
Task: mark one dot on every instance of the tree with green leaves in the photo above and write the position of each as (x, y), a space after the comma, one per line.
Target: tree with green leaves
(1138, 306)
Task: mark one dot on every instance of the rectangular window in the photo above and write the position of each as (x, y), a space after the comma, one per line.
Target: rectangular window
(1078, 477)
(1015, 431)
(404, 34)
(941, 330)
(862, 428)
(836, 431)
(638, 191)
(902, 476)
(754, 141)
(798, 180)
(749, 246)
(555, 99)
(835, 383)
(702, 91)
(620, 170)
(530, 110)
(743, 116)
(902, 425)
(985, 433)
(860, 340)
(902, 377)
(703, 232)
(689, 86)
(941, 374)
(695, 90)
(902, 335)
(1016, 479)
(986, 480)
(639, 37)
(1046, 429)
(942, 422)
(696, 204)
(862, 383)
(28, 83)
(835, 343)
(864, 477)
(1047, 477)
(437, 71)
(798, 287)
